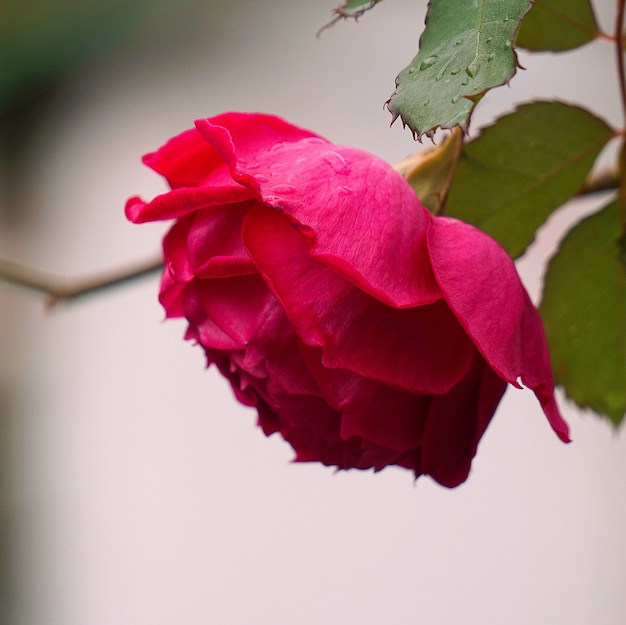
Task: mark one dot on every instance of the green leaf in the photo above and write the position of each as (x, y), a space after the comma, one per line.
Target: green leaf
(558, 25)
(584, 312)
(522, 168)
(466, 49)
(350, 9)
(356, 8)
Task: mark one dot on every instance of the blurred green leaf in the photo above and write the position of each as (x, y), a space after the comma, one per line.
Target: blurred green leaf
(466, 49)
(350, 9)
(558, 25)
(584, 312)
(40, 40)
(355, 8)
(522, 168)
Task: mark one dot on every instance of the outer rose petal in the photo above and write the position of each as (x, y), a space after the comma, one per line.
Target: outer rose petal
(457, 421)
(422, 350)
(482, 287)
(185, 160)
(367, 221)
(181, 202)
(241, 139)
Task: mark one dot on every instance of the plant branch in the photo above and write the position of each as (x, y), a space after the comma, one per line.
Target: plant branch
(619, 52)
(62, 290)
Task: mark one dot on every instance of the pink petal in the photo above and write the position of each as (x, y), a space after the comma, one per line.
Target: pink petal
(214, 244)
(457, 421)
(175, 250)
(241, 139)
(481, 285)
(277, 345)
(235, 305)
(171, 296)
(181, 202)
(421, 349)
(391, 418)
(185, 160)
(367, 220)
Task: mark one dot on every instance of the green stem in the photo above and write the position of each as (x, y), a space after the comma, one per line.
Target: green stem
(619, 52)
(621, 76)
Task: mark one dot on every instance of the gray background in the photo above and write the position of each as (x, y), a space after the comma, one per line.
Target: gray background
(140, 493)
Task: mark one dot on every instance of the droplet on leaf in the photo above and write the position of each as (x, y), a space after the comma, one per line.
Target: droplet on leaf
(472, 69)
(428, 62)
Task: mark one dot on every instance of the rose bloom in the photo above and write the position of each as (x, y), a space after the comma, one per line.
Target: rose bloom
(364, 330)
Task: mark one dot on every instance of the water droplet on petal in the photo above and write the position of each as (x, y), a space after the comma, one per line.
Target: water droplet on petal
(428, 62)
(459, 42)
(283, 189)
(315, 141)
(489, 40)
(454, 72)
(508, 43)
(426, 102)
(455, 99)
(490, 57)
(465, 81)
(337, 162)
(260, 178)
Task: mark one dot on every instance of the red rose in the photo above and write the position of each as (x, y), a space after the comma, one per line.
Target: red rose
(363, 329)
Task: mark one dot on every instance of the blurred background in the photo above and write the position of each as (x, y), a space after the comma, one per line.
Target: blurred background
(134, 489)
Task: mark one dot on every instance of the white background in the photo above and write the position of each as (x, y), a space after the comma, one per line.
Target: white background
(142, 494)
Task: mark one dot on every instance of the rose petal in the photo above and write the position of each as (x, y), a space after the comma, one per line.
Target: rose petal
(214, 244)
(181, 202)
(456, 422)
(185, 160)
(171, 296)
(391, 418)
(367, 220)
(241, 139)
(421, 349)
(481, 285)
(235, 305)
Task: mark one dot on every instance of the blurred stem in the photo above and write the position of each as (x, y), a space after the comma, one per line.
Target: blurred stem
(62, 290)
(619, 52)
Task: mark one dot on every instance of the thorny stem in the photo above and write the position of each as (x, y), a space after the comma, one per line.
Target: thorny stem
(62, 290)
(619, 51)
